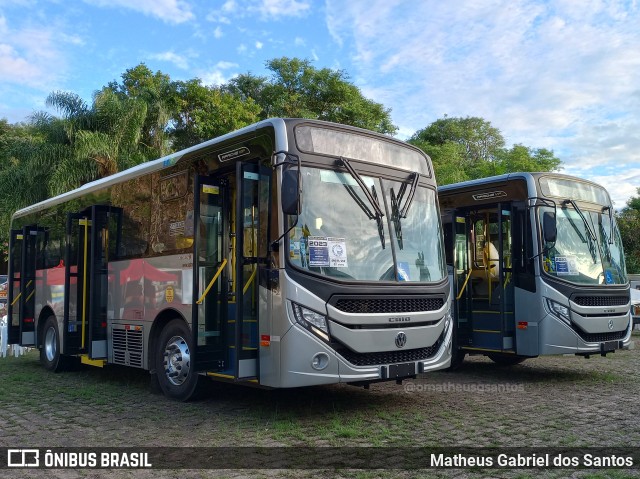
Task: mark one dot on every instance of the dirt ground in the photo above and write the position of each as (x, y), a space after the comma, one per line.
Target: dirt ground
(553, 401)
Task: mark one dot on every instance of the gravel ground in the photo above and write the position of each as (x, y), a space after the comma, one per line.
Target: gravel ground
(551, 401)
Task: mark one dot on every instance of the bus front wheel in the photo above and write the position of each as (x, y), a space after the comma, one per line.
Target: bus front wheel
(174, 358)
(506, 360)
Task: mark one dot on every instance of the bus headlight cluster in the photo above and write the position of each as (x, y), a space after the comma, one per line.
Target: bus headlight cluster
(311, 320)
(559, 310)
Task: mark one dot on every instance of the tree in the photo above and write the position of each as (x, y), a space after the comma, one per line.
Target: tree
(158, 93)
(205, 112)
(629, 223)
(523, 158)
(296, 89)
(103, 139)
(470, 148)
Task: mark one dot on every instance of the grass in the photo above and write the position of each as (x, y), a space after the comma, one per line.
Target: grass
(113, 406)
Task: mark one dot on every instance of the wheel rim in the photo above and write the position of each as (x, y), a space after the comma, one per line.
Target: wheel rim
(50, 344)
(177, 360)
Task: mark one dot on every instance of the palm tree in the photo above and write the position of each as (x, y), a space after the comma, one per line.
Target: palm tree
(105, 139)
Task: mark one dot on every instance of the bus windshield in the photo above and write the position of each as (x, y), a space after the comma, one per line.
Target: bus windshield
(588, 248)
(339, 234)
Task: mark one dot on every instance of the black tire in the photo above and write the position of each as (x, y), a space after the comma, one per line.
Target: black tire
(50, 355)
(457, 358)
(457, 354)
(175, 374)
(506, 359)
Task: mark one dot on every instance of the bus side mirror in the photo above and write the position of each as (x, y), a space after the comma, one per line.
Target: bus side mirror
(290, 192)
(549, 227)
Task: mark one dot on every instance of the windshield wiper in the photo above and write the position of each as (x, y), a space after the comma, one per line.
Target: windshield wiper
(584, 219)
(415, 177)
(610, 210)
(591, 234)
(371, 196)
(396, 201)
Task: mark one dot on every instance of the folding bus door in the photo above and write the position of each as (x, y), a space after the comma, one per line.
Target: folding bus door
(93, 235)
(25, 246)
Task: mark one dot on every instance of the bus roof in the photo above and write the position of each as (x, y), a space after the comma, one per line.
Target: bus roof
(153, 165)
(521, 175)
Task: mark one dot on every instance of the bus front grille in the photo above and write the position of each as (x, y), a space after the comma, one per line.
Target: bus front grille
(600, 337)
(601, 300)
(388, 305)
(390, 357)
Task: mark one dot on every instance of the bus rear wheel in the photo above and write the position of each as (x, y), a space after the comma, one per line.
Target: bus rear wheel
(174, 358)
(50, 355)
(505, 359)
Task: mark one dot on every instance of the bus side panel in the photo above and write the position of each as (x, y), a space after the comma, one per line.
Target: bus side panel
(271, 316)
(139, 291)
(527, 309)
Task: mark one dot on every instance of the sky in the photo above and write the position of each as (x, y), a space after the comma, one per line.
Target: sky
(562, 74)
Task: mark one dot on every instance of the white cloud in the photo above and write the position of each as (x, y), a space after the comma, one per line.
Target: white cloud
(226, 65)
(562, 75)
(299, 42)
(281, 8)
(33, 56)
(266, 10)
(242, 48)
(178, 60)
(217, 33)
(169, 11)
(259, 45)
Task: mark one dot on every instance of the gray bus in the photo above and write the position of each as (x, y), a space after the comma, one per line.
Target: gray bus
(537, 267)
(288, 253)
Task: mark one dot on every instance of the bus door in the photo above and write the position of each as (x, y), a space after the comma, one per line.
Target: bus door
(93, 237)
(485, 294)
(232, 221)
(252, 252)
(212, 264)
(26, 247)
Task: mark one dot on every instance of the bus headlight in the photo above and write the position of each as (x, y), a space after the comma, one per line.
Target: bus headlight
(311, 320)
(559, 310)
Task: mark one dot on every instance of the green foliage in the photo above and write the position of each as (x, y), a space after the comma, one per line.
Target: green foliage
(469, 148)
(204, 112)
(629, 223)
(156, 91)
(299, 90)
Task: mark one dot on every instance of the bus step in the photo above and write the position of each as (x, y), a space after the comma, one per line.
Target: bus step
(486, 338)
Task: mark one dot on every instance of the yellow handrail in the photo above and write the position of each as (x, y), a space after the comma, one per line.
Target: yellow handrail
(15, 300)
(251, 278)
(213, 280)
(465, 284)
(85, 223)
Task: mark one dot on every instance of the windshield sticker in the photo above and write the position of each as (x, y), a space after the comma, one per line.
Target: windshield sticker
(566, 265)
(294, 249)
(337, 252)
(403, 271)
(318, 251)
(608, 277)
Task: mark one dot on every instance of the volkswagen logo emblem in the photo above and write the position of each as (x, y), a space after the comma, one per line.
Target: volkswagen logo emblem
(610, 327)
(401, 339)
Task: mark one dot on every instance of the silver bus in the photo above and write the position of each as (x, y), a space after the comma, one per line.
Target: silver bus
(537, 267)
(288, 253)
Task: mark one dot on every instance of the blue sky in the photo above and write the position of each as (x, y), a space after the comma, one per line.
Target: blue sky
(563, 75)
